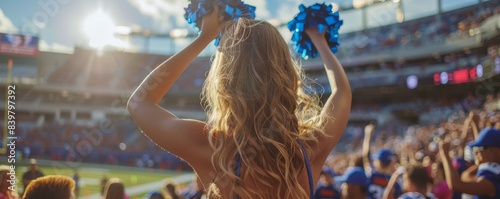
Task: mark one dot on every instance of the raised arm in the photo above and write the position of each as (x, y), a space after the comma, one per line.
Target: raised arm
(481, 186)
(181, 137)
(389, 190)
(366, 147)
(465, 132)
(338, 106)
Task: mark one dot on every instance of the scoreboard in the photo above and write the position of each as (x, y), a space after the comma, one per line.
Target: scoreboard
(461, 76)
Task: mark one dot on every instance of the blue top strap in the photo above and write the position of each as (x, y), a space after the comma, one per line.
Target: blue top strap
(238, 169)
(309, 171)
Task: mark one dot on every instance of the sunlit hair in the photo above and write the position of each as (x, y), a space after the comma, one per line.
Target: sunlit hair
(53, 186)
(256, 107)
(115, 189)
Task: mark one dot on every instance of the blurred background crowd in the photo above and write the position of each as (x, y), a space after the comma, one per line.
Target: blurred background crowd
(424, 88)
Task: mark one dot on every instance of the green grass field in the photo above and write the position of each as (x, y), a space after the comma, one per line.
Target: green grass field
(90, 178)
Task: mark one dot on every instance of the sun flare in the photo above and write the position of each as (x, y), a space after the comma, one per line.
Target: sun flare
(99, 28)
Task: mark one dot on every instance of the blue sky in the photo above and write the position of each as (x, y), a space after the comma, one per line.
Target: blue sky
(59, 23)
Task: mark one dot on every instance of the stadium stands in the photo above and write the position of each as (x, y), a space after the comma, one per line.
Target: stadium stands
(78, 89)
(416, 33)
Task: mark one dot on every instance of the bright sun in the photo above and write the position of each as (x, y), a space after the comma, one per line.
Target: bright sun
(99, 29)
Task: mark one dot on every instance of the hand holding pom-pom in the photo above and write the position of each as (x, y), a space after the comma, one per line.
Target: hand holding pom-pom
(228, 10)
(314, 33)
(211, 24)
(318, 17)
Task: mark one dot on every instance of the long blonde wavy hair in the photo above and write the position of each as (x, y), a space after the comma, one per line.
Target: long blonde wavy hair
(257, 109)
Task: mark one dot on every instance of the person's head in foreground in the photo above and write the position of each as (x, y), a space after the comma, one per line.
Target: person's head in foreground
(486, 147)
(256, 108)
(53, 187)
(115, 189)
(5, 175)
(354, 183)
(416, 179)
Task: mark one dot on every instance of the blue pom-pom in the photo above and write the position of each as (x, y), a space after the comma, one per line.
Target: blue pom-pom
(320, 16)
(229, 9)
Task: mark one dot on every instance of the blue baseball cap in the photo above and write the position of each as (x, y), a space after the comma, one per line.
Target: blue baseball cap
(354, 175)
(487, 138)
(384, 156)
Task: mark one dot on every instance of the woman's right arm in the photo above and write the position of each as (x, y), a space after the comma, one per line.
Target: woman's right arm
(183, 137)
(338, 106)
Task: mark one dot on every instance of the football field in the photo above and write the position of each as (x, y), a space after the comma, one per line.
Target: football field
(138, 181)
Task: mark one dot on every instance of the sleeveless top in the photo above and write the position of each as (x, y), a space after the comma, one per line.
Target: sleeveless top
(308, 167)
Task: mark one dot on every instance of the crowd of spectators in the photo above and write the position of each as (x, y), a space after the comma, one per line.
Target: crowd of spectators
(419, 150)
(120, 143)
(420, 145)
(429, 30)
